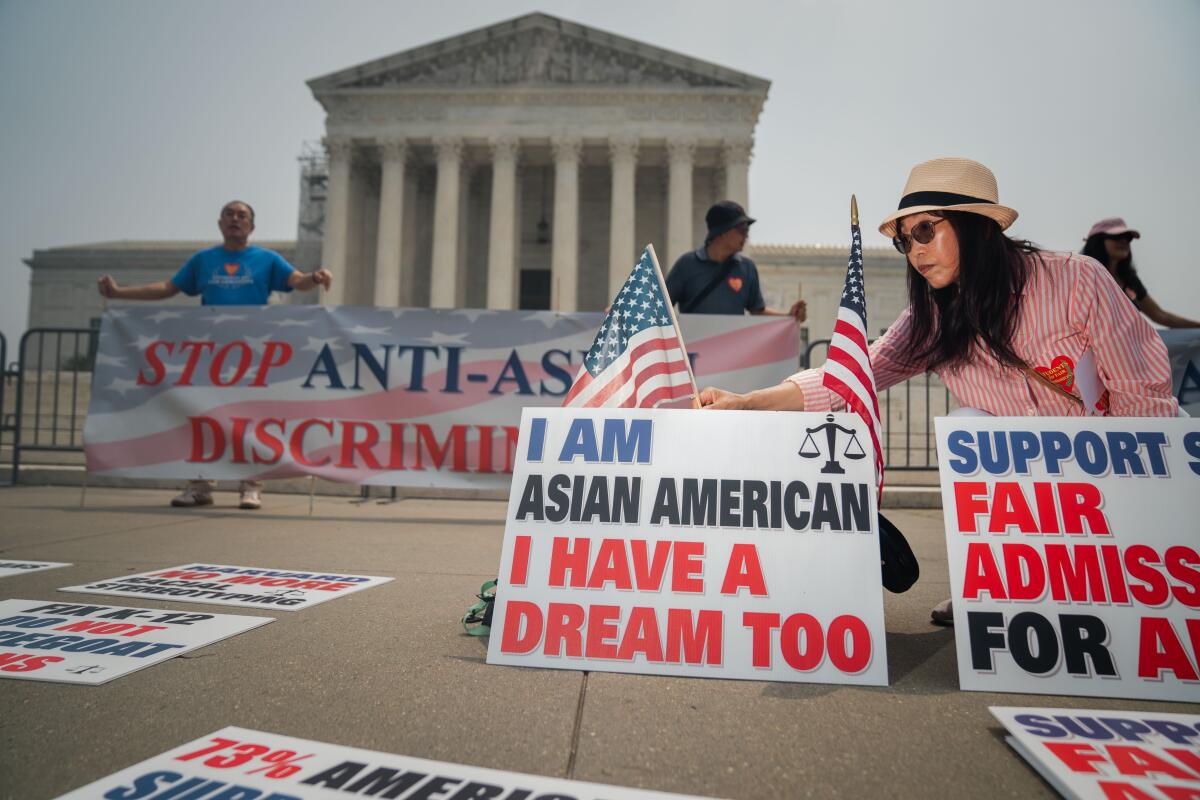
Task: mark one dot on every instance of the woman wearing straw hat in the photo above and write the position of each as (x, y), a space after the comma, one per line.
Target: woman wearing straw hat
(1002, 323)
(1109, 243)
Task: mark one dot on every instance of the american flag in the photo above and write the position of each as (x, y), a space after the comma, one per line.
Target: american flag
(638, 359)
(848, 370)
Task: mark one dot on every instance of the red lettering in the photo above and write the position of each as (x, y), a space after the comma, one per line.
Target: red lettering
(456, 442)
(519, 573)
(274, 444)
(296, 442)
(20, 662)
(1129, 759)
(485, 448)
(809, 656)
(563, 623)
(102, 628)
(184, 575)
(1043, 495)
(611, 565)
(189, 369)
(849, 644)
(200, 454)
(1079, 502)
(1181, 565)
(1074, 572)
(1159, 649)
(1078, 756)
(970, 500)
(1114, 573)
(282, 349)
(245, 359)
(641, 636)
(761, 624)
(1010, 508)
(982, 573)
(522, 627)
(156, 364)
(396, 445)
(237, 438)
(744, 571)
(1023, 570)
(352, 447)
(602, 627)
(687, 567)
(1114, 790)
(695, 642)
(648, 573)
(569, 555)
(1153, 589)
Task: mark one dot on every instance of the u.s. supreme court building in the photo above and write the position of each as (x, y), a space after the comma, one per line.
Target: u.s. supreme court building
(522, 165)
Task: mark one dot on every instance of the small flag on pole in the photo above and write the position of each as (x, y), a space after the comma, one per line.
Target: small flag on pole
(638, 359)
(848, 372)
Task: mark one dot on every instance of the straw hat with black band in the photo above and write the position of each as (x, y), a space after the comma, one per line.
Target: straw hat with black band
(950, 184)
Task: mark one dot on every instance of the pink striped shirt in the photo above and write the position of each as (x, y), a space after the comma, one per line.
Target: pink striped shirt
(1070, 305)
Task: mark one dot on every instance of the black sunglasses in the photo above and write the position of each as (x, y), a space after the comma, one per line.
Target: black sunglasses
(922, 232)
(1121, 237)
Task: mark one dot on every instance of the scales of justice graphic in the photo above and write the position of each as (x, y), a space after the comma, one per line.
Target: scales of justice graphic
(810, 449)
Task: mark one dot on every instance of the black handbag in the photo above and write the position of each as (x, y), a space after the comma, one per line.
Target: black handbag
(897, 563)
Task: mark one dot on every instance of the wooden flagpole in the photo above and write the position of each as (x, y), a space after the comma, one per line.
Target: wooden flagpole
(662, 286)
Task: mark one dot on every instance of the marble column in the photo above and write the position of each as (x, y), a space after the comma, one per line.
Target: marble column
(443, 292)
(564, 246)
(735, 157)
(502, 235)
(388, 265)
(337, 214)
(680, 153)
(621, 246)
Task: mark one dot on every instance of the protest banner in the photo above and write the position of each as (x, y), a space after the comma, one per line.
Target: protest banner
(708, 544)
(239, 764)
(22, 567)
(225, 585)
(1118, 755)
(401, 397)
(72, 643)
(1073, 555)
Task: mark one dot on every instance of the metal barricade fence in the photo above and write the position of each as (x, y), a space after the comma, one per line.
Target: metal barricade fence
(53, 386)
(7, 421)
(909, 440)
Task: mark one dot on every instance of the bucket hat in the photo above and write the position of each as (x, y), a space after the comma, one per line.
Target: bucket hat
(950, 184)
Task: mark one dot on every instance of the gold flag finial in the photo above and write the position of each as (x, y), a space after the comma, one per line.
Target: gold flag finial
(853, 210)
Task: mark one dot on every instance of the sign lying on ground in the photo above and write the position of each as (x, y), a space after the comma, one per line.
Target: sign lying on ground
(225, 585)
(400, 397)
(241, 764)
(1074, 562)
(1122, 755)
(72, 643)
(21, 567)
(702, 543)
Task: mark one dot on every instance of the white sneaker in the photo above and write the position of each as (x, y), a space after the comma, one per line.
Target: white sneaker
(251, 499)
(190, 498)
(942, 613)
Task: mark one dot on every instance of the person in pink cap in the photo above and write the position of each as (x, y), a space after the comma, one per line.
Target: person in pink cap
(1109, 243)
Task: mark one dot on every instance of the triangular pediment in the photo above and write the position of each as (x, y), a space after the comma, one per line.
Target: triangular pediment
(537, 50)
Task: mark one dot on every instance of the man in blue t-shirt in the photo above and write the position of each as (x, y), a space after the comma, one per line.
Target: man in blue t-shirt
(716, 278)
(234, 273)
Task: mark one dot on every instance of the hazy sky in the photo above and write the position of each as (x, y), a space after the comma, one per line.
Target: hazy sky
(137, 120)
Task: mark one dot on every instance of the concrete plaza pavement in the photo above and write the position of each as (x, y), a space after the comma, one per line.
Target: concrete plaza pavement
(390, 669)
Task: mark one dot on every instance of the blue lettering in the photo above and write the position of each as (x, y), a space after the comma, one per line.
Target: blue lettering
(537, 438)
(145, 785)
(581, 441)
(620, 442)
(1090, 453)
(1191, 443)
(517, 376)
(994, 462)
(1057, 446)
(1155, 441)
(1123, 450)
(1189, 383)
(1039, 726)
(363, 354)
(1025, 448)
(959, 444)
(330, 371)
(453, 359)
(416, 382)
(555, 371)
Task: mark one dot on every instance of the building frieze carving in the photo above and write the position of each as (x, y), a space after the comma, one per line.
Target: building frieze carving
(538, 56)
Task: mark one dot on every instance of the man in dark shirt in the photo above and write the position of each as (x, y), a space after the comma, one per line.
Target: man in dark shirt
(716, 278)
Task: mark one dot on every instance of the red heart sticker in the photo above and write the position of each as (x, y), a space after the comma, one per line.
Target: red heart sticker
(735, 284)
(231, 269)
(1061, 371)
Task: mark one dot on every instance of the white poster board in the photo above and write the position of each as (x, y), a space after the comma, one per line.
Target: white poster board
(225, 585)
(1074, 564)
(8, 567)
(1132, 755)
(697, 543)
(244, 764)
(72, 643)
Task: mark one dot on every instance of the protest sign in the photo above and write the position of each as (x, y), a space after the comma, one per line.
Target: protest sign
(722, 544)
(242, 764)
(1183, 349)
(1073, 554)
(21, 567)
(224, 585)
(71, 643)
(1119, 755)
(384, 396)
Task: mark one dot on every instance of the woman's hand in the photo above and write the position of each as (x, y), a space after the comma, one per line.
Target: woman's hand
(719, 399)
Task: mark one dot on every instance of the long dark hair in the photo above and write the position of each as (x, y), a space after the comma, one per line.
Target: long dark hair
(1094, 247)
(953, 324)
